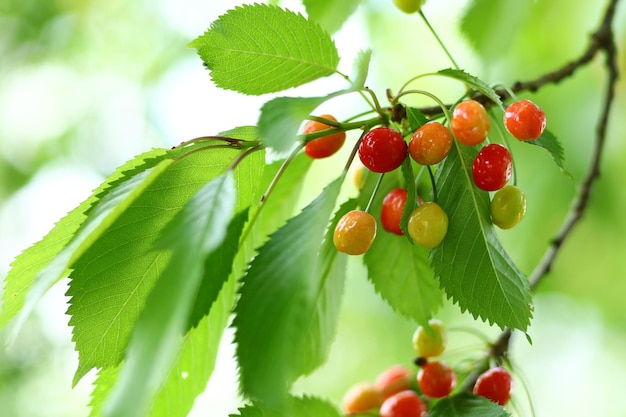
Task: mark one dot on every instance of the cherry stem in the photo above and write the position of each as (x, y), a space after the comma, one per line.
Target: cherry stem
(505, 141)
(443, 46)
(369, 203)
(432, 181)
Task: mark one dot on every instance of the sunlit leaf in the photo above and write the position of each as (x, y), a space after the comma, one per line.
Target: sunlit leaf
(258, 49)
(475, 82)
(466, 405)
(330, 14)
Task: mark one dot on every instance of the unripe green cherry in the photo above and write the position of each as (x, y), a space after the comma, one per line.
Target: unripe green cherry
(428, 225)
(409, 6)
(508, 207)
(428, 344)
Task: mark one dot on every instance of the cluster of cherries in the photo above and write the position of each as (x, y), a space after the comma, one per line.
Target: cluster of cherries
(395, 394)
(384, 149)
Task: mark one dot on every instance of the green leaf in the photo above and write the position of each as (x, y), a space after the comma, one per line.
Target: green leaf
(258, 49)
(196, 231)
(550, 143)
(283, 299)
(26, 266)
(218, 266)
(491, 25)
(473, 81)
(330, 14)
(360, 69)
(466, 405)
(472, 266)
(295, 407)
(101, 217)
(416, 118)
(399, 270)
(282, 116)
(110, 282)
(411, 196)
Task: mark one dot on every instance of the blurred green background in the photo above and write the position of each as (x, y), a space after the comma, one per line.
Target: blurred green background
(84, 86)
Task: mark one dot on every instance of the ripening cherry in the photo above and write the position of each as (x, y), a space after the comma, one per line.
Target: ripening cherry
(409, 6)
(428, 225)
(361, 398)
(430, 143)
(430, 343)
(491, 168)
(391, 212)
(508, 207)
(403, 404)
(324, 146)
(436, 379)
(470, 122)
(495, 384)
(355, 232)
(382, 149)
(524, 120)
(393, 380)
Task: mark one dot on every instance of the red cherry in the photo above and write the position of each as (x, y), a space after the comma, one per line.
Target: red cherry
(382, 149)
(524, 120)
(436, 379)
(403, 404)
(393, 207)
(470, 122)
(326, 145)
(393, 380)
(492, 167)
(495, 384)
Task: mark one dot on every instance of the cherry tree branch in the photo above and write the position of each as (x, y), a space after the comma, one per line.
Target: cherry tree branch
(602, 40)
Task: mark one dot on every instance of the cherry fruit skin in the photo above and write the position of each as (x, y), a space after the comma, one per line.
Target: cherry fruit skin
(428, 344)
(393, 380)
(428, 225)
(508, 207)
(436, 379)
(403, 404)
(361, 398)
(492, 166)
(430, 143)
(495, 384)
(391, 212)
(409, 6)
(382, 149)
(324, 146)
(355, 232)
(524, 120)
(470, 122)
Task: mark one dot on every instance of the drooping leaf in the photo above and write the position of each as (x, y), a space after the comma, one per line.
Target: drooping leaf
(193, 233)
(282, 300)
(472, 266)
(550, 143)
(295, 407)
(474, 82)
(399, 270)
(491, 25)
(101, 217)
(258, 49)
(282, 116)
(360, 69)
(466, 405)
(27, 265)
(108, 292)
(330, 14)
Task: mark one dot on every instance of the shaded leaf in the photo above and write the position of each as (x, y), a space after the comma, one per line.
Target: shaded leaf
(472, 266)
(466, 405)
(330, 14)
(258, 49)
(282, 300)
(416, 118)
(294, 407)
(550, 143)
